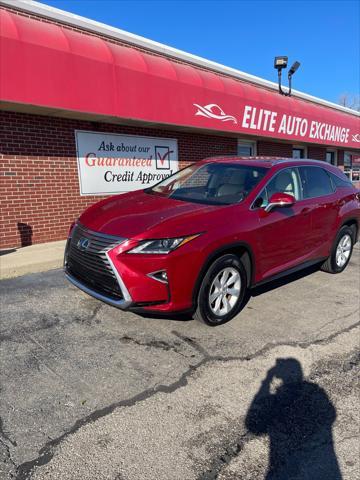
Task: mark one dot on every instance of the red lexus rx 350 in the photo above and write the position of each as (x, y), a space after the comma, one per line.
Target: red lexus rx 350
(199, 239)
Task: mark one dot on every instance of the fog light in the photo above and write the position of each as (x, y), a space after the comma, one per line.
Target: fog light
(160, 276)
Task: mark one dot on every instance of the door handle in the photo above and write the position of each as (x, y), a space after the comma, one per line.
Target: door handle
(305, 210)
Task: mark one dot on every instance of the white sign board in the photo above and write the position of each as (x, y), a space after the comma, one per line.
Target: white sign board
(110, 163)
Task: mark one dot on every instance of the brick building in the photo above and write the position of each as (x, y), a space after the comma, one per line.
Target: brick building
(68, 82)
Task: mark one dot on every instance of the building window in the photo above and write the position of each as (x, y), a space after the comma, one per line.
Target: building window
(298, 152)
(347, 159)
(351, 166)
(330, 157)
(246, 149)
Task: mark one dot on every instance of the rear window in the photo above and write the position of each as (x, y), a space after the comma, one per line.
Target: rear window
(340, 182)
(315, 182)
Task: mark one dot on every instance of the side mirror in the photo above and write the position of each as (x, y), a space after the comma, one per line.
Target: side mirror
(279, 200)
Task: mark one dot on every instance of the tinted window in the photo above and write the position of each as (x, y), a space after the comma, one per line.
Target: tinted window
(212, 183)
(286, 181)
(315, 182)
(340, 182)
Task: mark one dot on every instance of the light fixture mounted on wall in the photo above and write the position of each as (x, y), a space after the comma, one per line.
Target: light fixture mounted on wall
(279, 64)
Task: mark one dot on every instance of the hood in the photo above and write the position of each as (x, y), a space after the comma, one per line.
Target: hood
(138, 213)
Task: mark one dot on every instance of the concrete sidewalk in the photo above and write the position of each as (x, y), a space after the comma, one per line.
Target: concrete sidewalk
(35, 258)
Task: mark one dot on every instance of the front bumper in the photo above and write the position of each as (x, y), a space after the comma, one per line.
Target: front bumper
(91, 269)
(123, 304)
(137, 288)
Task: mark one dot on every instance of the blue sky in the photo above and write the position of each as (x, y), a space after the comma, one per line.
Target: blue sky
(322, 34)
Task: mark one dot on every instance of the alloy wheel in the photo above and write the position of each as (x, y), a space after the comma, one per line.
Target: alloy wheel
(224, 291)
(343, 250)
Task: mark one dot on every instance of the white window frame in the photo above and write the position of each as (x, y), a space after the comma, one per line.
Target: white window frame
(246, 143)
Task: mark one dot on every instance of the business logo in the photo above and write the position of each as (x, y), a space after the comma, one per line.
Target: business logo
(214, 111)
(83, 244)
(356, 138)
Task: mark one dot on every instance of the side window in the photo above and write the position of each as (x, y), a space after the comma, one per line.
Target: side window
(285, 181)
(315, 182)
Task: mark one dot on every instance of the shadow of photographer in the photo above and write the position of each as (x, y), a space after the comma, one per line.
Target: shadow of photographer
(297, 415)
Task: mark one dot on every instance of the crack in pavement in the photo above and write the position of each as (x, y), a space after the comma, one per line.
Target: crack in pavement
(5, 440)
(193, 344)
(88, 320)
(47, 452)
(230, 452)
(8, 453)
(157, 344)
(335, 320)
(4, 435)
(233, 448)
(46, 322)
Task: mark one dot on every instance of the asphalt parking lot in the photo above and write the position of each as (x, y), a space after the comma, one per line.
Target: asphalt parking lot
(90, 392)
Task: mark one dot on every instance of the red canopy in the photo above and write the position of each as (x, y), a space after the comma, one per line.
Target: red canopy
(47, 65)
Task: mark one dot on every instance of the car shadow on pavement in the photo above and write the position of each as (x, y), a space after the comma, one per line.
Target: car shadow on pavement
(180, 317)
(297, 415)
(280, 282)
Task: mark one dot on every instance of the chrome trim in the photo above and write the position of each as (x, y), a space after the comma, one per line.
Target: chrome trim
(270, 206)
(126, 301)
(99, 234)
(153, 277)
(124, 290)
(123, 304)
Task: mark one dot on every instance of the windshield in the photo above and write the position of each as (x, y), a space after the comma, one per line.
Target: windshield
(212, 183)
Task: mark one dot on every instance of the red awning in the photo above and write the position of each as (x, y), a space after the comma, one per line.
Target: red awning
(47, 65)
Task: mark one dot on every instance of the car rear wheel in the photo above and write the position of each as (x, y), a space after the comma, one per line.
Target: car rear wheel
(222, 291)
(341, 252)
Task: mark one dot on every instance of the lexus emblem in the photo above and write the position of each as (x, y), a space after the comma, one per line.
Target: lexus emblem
(83, 244)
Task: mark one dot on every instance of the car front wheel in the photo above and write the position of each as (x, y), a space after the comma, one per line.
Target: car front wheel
(341, 252)
(222, 291)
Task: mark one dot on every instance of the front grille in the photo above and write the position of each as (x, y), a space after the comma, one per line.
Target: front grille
(89, 264)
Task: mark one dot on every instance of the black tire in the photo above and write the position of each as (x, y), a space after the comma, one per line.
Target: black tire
(330, 265)
(204, 312)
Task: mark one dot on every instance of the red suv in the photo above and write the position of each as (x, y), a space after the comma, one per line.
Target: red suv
(199, 239)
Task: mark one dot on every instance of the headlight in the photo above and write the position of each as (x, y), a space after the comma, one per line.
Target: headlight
(161, 246)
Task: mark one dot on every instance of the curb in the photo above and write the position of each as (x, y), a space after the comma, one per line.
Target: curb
(33, 259)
